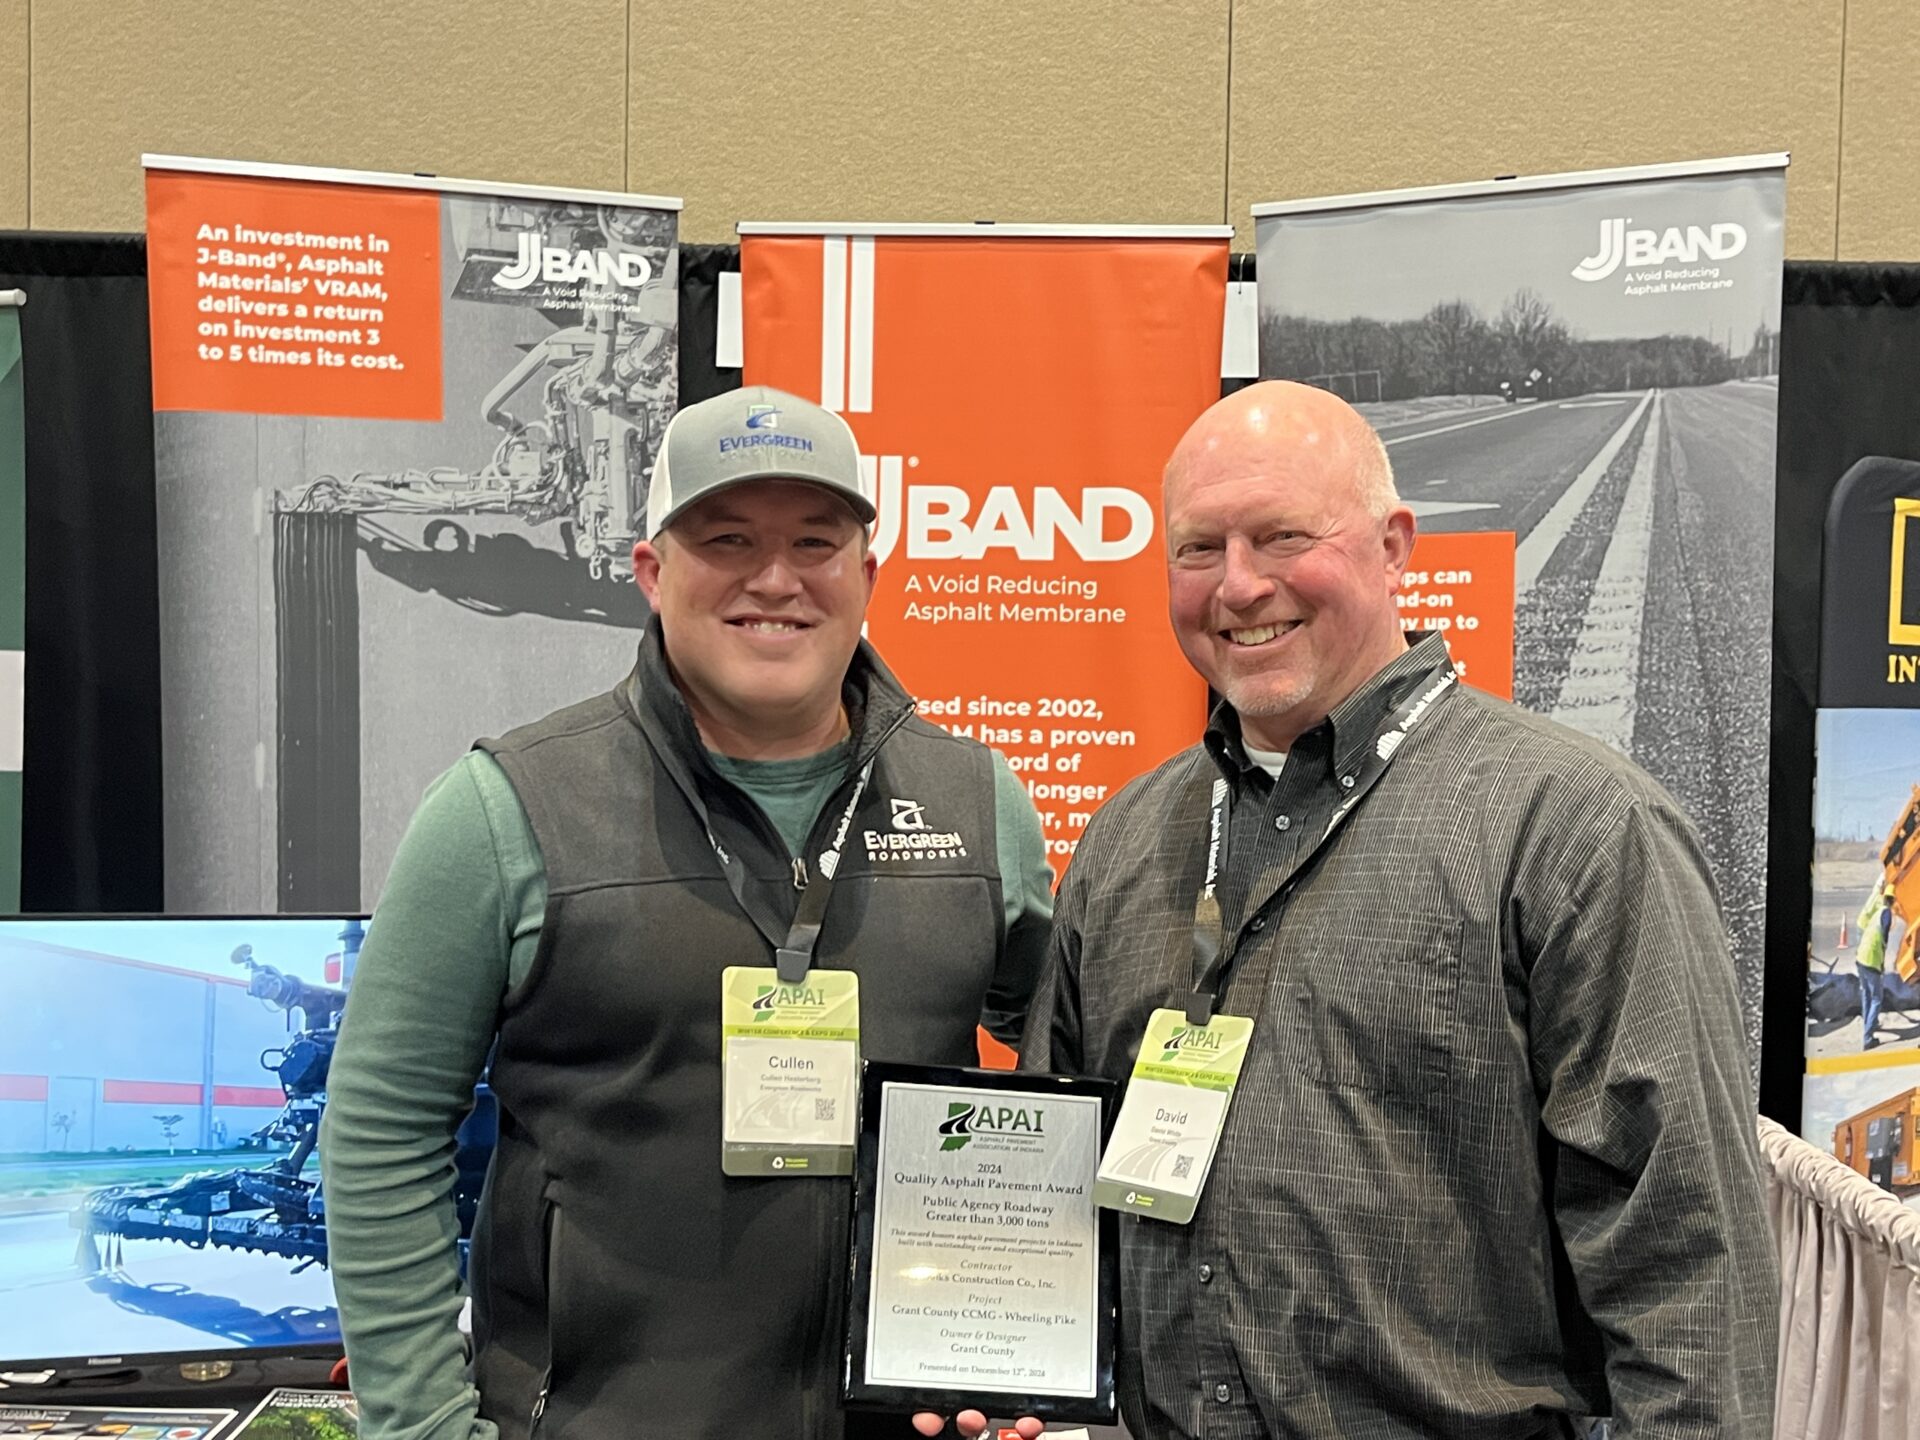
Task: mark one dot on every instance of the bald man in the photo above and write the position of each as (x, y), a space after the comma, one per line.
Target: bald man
(1490, 1167)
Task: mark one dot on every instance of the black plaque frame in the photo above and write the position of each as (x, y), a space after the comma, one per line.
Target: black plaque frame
(857, 1393)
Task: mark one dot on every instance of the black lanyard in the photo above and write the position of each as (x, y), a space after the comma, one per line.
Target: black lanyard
(793, 954)
(1212, 955)
(1209, 927)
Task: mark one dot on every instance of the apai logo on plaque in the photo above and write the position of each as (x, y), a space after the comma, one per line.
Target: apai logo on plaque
(967, 1122)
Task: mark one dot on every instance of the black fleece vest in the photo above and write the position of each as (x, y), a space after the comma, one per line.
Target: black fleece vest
(622, 1285)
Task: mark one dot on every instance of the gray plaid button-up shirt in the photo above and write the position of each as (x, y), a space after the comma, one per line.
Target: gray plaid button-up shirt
(1491, 1163)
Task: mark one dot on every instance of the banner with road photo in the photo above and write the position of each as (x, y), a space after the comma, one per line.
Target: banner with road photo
(1016, 391)
(1576, 376)
(404, 430)
(13, 596)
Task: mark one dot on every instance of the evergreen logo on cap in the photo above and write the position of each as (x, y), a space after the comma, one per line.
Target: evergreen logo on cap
(756, 434)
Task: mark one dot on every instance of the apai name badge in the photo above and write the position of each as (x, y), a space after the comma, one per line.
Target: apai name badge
(790, 1057)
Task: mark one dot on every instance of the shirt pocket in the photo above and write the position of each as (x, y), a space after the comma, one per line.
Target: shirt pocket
(1379, 1002)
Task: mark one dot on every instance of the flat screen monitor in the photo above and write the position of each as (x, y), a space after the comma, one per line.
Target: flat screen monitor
(161, 1085)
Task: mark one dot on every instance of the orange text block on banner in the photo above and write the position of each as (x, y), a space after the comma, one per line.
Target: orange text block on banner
(1461, 586)
(289, 297)
(1016, 399)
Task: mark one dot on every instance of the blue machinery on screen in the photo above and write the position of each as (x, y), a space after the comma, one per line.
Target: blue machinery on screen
(161, 1088)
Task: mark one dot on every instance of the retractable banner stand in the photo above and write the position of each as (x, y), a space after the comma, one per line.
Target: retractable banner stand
(1576, 377)
(1015, 391)
(1862, 1097)
(404, 433)
(13, 595)
(1852, 434)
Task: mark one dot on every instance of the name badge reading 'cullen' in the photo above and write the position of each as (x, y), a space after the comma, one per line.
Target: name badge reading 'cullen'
(790, 1060)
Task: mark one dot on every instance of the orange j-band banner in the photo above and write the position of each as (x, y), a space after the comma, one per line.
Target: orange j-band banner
(1016, 392)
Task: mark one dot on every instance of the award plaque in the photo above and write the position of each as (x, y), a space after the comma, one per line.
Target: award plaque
(983, 1274)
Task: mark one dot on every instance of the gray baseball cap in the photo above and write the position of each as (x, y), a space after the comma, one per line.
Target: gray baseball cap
(755, 433)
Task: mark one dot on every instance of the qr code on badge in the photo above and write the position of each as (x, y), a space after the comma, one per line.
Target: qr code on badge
(1182, 1166)
(823, 1107)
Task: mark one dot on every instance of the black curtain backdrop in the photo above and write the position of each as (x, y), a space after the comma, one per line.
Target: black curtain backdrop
(700, 269)
(90, 825)
(1850, 347)
(1849, 357)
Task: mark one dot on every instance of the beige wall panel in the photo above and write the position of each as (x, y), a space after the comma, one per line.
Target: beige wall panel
(1880, 155)
(13, 114)
(486, 88)
(1068, 110)
(1331, 97)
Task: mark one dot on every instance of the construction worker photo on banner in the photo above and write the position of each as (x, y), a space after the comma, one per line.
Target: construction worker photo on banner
(1864, 965)
(1862, 1096)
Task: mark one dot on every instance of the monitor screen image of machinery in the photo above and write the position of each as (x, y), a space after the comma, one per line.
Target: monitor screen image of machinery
(161, 1087)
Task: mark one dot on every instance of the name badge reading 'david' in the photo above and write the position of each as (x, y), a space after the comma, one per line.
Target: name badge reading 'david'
(1162, 1146)
(790, 1065)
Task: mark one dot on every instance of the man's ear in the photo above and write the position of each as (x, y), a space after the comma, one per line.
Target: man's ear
(646, 570)
(1399, 542)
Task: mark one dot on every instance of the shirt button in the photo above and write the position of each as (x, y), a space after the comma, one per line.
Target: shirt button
(1281, 822)
(1257, 924)
(1206, 1273)
(1222, 1393)
(1346, 782)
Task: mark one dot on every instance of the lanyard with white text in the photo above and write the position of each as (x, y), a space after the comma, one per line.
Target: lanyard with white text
(793, 955)
(1212, 955)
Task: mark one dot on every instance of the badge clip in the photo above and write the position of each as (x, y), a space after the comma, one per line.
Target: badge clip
(791, 964)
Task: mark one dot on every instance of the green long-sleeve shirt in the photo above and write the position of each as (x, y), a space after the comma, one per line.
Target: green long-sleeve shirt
(457, 926)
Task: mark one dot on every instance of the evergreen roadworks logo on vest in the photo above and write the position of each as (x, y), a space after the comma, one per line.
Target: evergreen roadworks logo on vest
(909, 837)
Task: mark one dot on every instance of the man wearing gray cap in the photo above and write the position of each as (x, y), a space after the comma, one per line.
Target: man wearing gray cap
(568, 898)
